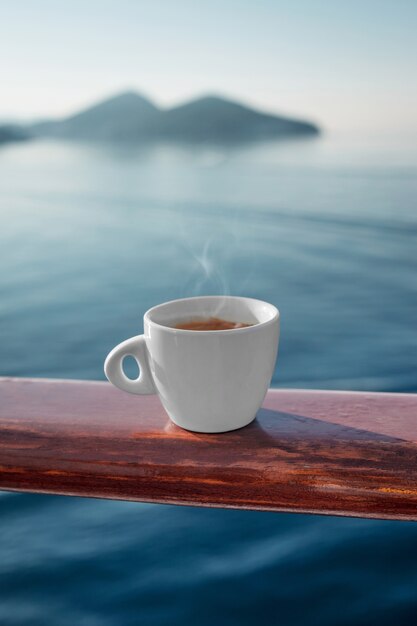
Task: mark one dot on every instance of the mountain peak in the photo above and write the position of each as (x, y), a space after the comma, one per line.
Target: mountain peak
(122, 103)
(128, 96)
(210, 100)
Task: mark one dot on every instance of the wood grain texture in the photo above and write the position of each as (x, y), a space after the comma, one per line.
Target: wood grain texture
(308, 451)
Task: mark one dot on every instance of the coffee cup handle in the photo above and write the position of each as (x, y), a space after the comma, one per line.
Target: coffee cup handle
(113, 367)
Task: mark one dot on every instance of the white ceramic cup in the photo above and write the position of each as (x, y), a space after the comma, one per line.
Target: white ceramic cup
(208, 381)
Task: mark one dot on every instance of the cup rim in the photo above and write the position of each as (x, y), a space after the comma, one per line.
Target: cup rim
(276, 315)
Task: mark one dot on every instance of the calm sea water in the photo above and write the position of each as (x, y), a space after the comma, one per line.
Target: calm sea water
(92, 236)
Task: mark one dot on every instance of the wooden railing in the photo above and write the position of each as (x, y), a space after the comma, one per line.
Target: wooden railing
(308, 451)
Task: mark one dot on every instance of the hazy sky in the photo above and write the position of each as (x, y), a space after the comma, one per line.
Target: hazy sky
(346, 64)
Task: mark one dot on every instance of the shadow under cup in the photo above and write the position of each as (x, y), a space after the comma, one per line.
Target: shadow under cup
(212, 380)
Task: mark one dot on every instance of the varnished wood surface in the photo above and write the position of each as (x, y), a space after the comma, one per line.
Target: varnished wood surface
(308, 451)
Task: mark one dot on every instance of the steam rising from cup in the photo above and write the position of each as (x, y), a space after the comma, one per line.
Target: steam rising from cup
(209, 276)
(211, 257)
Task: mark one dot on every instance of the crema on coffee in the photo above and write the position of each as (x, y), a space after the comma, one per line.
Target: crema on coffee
(210, 323)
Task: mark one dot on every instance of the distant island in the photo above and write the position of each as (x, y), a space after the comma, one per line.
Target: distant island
(130, 117)
(10, 133)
